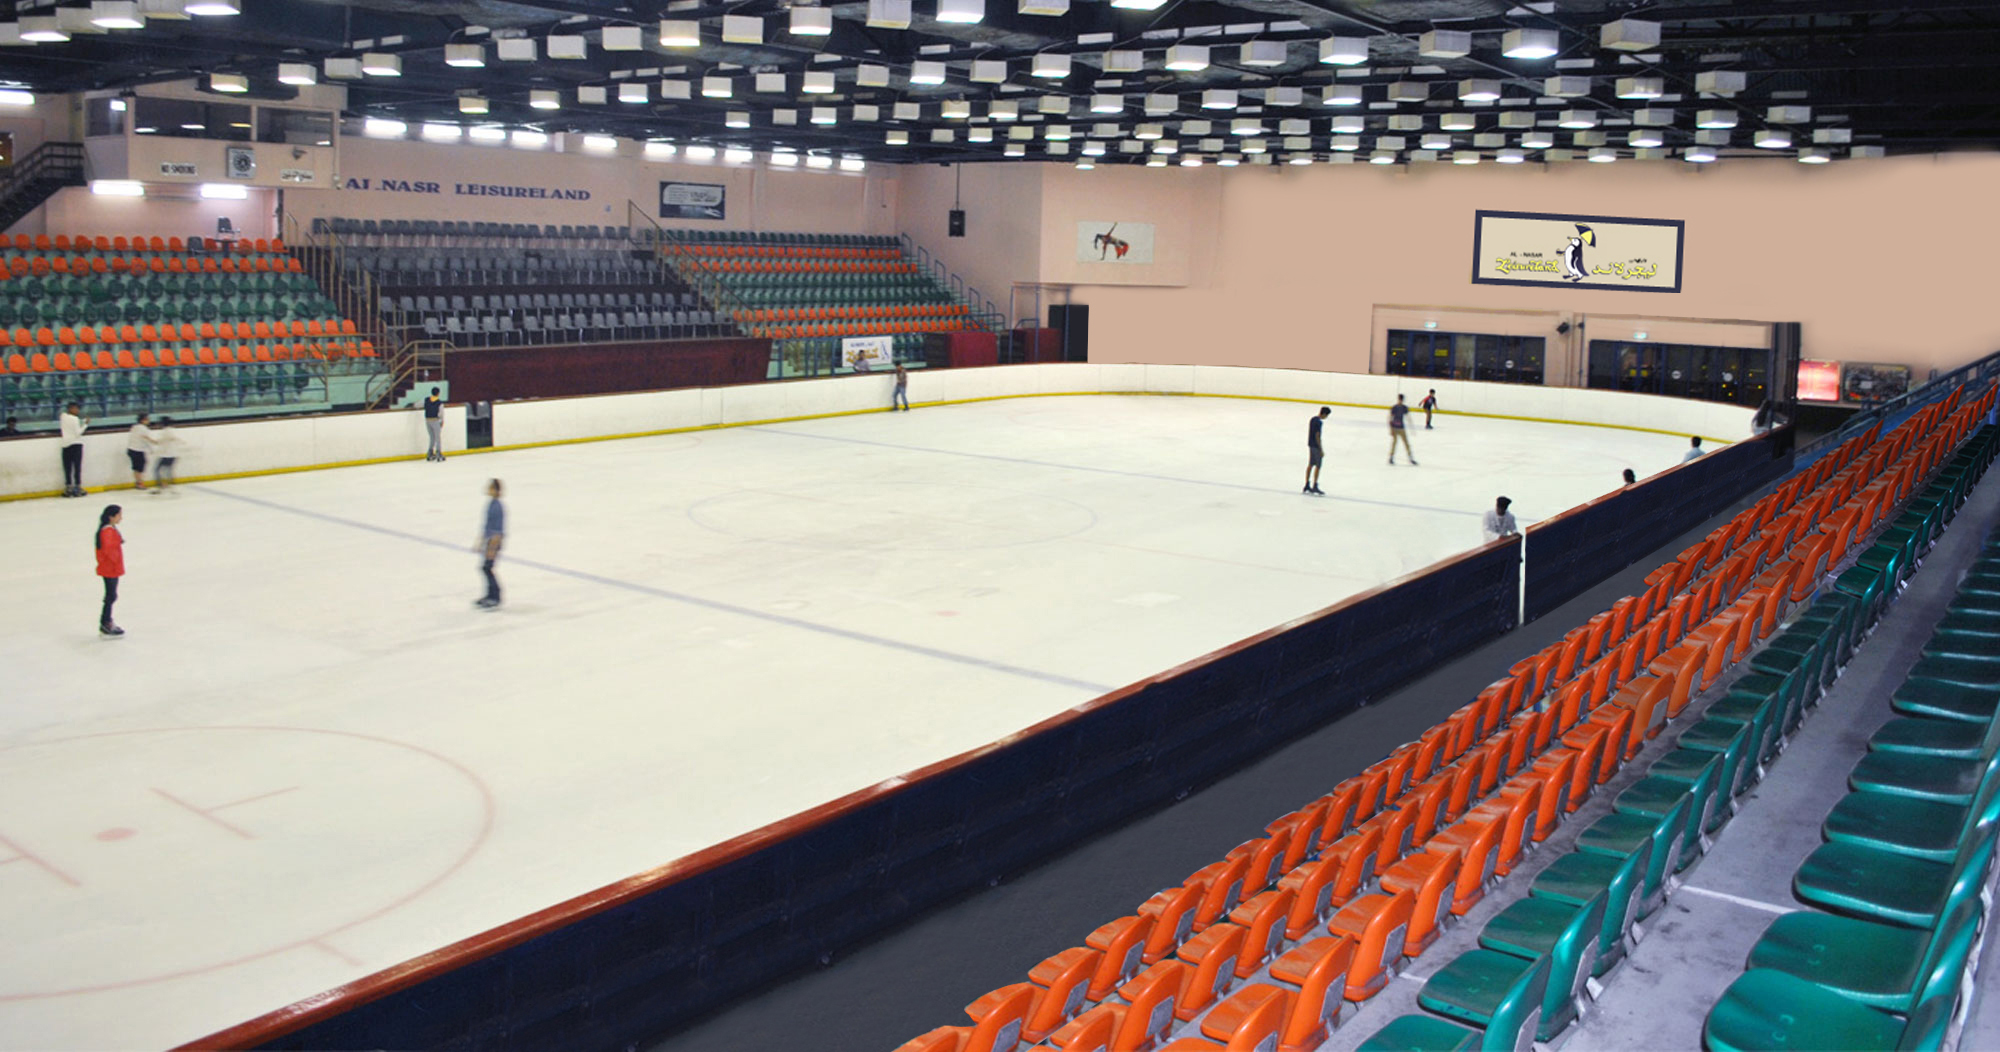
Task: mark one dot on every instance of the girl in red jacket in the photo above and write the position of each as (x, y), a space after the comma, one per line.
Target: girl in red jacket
(110, 564)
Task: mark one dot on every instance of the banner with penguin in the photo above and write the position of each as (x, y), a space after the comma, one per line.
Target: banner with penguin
(1589, 252)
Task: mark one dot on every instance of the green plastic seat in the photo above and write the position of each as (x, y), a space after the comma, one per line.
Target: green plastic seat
(1949, 701)
(1766, 1009)
(1566, 935)
(1621, 833)
(1806, 653)
(1871, 884)
(1422, 1033)
(1656, 796)
(1581, 876)
(1730, 740)
(1762, 713)
(1880, 965)
(1958, 669)
(1967, 627)
(1924, 777)
(1905, 825)
(1702, 772)
(1949, 739)
(1496, 992)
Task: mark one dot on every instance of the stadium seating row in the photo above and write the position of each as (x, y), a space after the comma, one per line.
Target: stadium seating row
(1431, 824)
(44, 243)
(1906, 871)
(161, 324)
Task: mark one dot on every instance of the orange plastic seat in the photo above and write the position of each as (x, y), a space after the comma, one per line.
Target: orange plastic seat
(999, 1030)
(1398, 828)
(1263, 921)
(1212, 957)
(1301, 830)
(1122, 943)
(1514, 808)
(1222, 889)
(1431, 879)
(1354, 857)
(1172, 911)
(1378, 923)
(1648, 698)
(1257, 1031)
(1138, 1024)
(1430, 803)
(1266, 857)
(1311, 887)
(1065, 981)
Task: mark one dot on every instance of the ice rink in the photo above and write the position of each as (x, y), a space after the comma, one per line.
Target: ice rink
(312, 758)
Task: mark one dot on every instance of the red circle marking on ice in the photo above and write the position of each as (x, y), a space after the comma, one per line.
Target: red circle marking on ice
(321, 832)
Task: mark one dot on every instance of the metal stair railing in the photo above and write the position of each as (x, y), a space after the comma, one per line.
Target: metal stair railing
(324, 258)
(35, 178)
(983, 309)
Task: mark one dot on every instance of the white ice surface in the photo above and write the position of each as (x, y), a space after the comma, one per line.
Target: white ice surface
(312, 758)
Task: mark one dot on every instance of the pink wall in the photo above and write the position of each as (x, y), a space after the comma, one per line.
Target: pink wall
(1003, 209)
(1882, 260)
(757, 197)
(164, 212)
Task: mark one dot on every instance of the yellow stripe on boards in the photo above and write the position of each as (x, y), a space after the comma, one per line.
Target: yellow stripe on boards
(225, 476)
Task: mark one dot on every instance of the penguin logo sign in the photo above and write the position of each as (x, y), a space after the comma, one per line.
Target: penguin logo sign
(1588, 252)
(1573, 253)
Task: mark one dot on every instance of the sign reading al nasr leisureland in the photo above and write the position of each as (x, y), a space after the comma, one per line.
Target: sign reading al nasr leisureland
(1587, 252)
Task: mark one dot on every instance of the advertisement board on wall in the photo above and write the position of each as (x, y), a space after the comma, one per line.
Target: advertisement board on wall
(1114, 242)
(1588, 252)
(692, 200)
(1819, 381)
(866, 353)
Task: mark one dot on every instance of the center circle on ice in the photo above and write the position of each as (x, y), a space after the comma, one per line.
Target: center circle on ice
(301, 833)
(893, 516)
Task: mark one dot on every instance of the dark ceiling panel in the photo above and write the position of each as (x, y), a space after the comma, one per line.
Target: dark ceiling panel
(1899, 77)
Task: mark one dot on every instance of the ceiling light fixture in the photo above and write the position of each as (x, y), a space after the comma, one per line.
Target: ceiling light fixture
(379, 64)
(1050, 66)
(1530, 43)
(116, 14)
(1187, 58)
(214, 8)
(812, 21)
(235, 83)
(297, 73)
(544, 99)
(962, 12)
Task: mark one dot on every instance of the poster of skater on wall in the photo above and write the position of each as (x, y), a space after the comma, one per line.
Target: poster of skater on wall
(1586, 252)
(1114, 242)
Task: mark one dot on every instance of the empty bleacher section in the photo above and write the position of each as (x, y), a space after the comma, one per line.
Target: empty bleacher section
(1905, 874)
(196, 328)
(807, 292)
(515, 284)
(1268, 946)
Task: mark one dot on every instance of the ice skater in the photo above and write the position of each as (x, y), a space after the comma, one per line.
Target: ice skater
(1499, 522)
(902, 391)
(72, 425)
(1315, 452)
(1694, 449)
(166, 450)
(1398, 432)
(1429, 404)
(434, 423)
(110, 565)
(494, 533)
(138, 441)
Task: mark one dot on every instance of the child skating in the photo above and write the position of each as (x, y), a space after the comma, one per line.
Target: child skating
(493, 534)
(110, 565)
